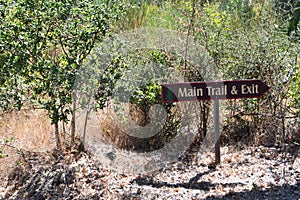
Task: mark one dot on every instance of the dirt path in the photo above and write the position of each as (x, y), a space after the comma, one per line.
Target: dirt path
(252, 173)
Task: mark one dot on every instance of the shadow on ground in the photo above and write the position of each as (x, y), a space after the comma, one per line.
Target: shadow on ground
(192, 184)
(289, 192)
(285, 192)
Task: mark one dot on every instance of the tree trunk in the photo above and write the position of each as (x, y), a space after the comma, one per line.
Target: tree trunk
(57, 136)
(73, 118)
(85, 123)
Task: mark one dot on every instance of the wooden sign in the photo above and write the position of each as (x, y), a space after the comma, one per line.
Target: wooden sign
(195, 91)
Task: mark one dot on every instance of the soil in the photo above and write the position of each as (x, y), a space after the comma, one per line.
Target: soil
(249, 173)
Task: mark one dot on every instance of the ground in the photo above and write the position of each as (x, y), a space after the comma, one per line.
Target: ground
(248, 173)
(32, 170)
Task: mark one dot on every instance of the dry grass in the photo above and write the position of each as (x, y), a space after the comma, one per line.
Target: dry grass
(31, 129)
(113, 131)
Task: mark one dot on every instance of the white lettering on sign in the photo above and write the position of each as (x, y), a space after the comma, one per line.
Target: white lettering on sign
(193, 92)
(236, 89)
(250, 89)
(212, 91)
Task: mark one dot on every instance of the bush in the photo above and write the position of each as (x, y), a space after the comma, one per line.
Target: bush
(251, 45)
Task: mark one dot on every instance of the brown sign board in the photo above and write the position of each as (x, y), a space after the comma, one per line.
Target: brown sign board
(196, 91)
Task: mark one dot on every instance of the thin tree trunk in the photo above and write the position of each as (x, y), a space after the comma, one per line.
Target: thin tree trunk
(73, 118)
(57, 136)
(85, 123)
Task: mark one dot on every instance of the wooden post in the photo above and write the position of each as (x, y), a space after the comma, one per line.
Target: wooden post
(217, 131)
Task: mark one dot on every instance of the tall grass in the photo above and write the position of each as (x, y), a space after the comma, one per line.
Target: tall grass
(154, 14)
(31, 130)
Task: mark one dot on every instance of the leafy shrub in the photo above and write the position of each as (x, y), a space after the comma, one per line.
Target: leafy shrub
(250, 44)
(42, 46)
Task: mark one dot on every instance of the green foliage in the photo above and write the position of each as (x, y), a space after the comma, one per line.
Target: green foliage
(294, 90)
(239, 8)
(133, 17)
(150, 94)
(9, 140)
(2, 155)
(154, 14)
(4, 142)
(289, 10)
(132, 80)
(166, 15)
(107, 81)
(20, 163)
(249, 46)
(217, 18)
(42, 46)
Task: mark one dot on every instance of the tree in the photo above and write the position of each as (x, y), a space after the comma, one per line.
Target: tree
(42, 46)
